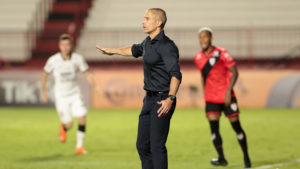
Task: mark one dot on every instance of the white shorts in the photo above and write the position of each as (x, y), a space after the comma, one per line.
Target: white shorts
(69, 107)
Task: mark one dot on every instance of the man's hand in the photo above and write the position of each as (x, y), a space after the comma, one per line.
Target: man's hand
(98, 89)
(165, 107)
(227, 101)
(45, 97)
(105, 51)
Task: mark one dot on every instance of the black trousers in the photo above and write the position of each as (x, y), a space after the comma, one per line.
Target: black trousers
(153, 132)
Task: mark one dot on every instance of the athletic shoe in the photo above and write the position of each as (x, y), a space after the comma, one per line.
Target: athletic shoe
(219, 162)
(62, 134)
(80, 150)
(247, 162)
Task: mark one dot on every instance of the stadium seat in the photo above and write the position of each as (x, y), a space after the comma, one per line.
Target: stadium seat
(16, 17)
(246, 29)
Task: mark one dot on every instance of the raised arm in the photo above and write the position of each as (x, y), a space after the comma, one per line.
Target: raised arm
(121, 51)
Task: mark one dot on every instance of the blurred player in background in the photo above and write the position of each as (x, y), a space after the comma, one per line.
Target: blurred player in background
(162, 78)
(68, 100)
(219, 74)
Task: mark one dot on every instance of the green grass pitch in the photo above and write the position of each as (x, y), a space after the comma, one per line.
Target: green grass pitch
(29, 140)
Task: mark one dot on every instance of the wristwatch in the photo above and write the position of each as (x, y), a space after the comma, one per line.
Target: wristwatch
(172, 97)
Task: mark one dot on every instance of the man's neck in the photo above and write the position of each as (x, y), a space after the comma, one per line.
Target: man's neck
(208, 50)
(65, 57)
(153, 34)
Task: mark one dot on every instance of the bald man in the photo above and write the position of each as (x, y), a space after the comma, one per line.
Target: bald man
(162, 78)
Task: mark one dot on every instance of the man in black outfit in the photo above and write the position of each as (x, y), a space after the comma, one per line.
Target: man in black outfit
(162, 78)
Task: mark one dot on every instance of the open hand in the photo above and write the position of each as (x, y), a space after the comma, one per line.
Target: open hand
(98, 89)
(45, 97)
(105, 51)
(165, 107)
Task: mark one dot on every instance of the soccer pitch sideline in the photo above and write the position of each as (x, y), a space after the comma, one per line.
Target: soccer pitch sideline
(29, 140)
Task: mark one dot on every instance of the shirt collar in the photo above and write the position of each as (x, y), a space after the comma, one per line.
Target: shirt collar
(210, 54)
(63, 57)
(157, 37)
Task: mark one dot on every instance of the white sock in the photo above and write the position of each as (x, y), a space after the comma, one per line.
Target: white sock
(80, 138)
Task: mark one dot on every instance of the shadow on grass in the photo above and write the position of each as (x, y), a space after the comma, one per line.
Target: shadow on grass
(46, 158)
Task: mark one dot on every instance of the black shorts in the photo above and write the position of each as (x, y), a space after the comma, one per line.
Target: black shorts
(229, 111)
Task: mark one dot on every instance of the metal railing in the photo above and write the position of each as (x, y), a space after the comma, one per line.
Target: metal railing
(37, 23)
(242, 43)
(16, 45)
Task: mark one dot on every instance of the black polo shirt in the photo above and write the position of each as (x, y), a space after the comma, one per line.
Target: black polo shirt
(160, 60)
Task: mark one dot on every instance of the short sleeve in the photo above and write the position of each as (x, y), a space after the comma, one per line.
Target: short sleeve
(137, 50)
(48, 68)
(227, 59)
(83, 66)
(197, 61)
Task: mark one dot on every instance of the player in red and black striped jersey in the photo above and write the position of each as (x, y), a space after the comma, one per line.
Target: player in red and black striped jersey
(219, 74)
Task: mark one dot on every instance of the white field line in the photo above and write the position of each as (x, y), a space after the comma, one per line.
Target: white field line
(86, 162)
(134, 163)
(278, 164)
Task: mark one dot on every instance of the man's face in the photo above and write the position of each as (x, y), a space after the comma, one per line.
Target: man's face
(150, 22)
(65, 47)
(205, 40)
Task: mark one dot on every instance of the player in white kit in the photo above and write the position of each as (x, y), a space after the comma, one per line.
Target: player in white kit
(68, 100)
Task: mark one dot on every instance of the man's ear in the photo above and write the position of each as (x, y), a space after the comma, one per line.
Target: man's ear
(158, 23)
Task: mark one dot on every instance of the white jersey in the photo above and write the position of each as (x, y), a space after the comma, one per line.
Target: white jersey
(64, 72)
